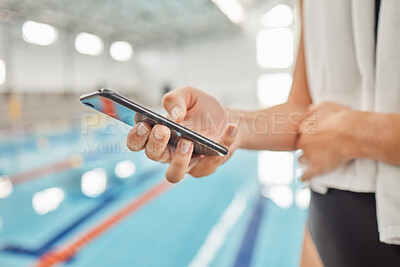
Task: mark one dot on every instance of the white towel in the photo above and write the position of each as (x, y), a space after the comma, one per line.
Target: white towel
(342, 67)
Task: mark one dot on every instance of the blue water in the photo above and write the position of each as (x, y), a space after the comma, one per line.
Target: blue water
(168, 231)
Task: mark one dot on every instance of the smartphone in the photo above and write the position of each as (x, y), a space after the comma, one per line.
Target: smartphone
(129, 112)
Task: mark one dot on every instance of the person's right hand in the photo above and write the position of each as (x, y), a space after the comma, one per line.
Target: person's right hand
(197, 111)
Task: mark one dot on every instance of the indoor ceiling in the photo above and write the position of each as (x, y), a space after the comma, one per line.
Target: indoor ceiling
(140, 22)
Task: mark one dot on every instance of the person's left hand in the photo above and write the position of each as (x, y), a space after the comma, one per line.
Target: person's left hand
(324, 139)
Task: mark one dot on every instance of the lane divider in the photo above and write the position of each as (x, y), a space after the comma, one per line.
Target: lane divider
(74, 161)
(64, 254)
(245, 254)
(220, 231)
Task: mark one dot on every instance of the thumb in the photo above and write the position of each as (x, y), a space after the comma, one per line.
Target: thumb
(177, 102)
(229, 135)
(311, 108)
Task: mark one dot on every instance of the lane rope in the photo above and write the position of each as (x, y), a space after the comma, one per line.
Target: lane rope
(52, 258)
(74, 161)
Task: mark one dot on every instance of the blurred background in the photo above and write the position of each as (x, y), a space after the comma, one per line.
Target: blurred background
(71, 194)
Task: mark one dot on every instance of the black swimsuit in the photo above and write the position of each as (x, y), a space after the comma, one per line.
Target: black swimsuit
(344, 228)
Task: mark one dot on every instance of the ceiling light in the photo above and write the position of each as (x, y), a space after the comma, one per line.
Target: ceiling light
(275, 167)
(88, 44)
(279, 16)
(303, 196)
(38, 33)
(232, 9)
(2, 72)
(6, 186)
(94, 182)
(125, 169)
(121, 51)
(282, 195)
(47, 200)
(273, 89)
(275, 48)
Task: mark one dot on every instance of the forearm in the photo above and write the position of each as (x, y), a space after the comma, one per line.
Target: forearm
(275, 128)
(372, 135)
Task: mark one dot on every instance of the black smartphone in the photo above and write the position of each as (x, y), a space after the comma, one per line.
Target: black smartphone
(129, 112)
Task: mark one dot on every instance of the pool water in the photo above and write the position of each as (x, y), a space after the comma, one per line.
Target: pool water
(70, 206)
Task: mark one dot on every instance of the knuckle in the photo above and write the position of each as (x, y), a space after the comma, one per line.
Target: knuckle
(188, 88)
(163, 130)
(156, 146)
(152, 154)
(193, 90)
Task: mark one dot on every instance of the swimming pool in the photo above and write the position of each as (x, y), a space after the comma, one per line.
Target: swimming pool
(86, 201)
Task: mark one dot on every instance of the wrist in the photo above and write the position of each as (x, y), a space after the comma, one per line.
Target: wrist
(233, 116)
(349, 130)
(362, 130)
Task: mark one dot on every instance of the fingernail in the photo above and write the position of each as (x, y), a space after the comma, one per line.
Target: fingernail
(185, 146)
(158, 135)
(232, 130)
(176, 111)
(142, 130)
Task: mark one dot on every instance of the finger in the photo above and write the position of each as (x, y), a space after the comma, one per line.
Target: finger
(142, 118)
(303, 160)
(193, 162)
(137, 136)
(210, 163)
(298, 153)
(168, 154)
(177, 102)
(311, 108)
(308, 174)
(157, 142)
(180, 161)
(138, 117)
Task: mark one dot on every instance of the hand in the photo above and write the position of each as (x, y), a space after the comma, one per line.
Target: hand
(197, 111)
(324, 139)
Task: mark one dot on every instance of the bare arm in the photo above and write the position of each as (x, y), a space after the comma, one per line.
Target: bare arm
(276, 128)
(372, 135)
